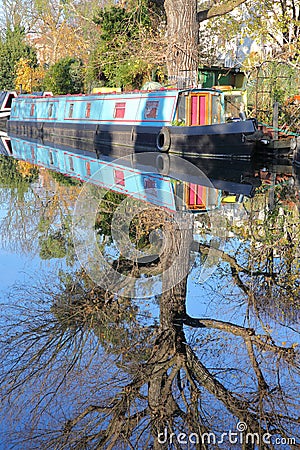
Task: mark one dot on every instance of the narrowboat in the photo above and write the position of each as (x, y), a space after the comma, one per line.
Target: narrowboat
(187, 121)
(6, 98)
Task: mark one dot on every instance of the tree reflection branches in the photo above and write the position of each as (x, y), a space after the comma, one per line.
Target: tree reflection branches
(274, 235)
(52, 339)
(38, 210)
(101, 372)
(264, 264)
(164, 385)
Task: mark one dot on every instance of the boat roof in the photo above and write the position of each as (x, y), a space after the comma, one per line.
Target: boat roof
(161, 91)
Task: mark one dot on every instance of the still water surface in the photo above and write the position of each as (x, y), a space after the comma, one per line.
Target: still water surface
(146, 310)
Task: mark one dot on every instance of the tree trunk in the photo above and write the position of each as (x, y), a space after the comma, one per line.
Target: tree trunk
(182, 35)
(176, 262)
(183, 20)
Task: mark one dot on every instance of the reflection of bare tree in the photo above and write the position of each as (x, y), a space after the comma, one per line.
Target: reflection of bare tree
(266, 264)
(19, 223)
(197, 376)
(37, 210)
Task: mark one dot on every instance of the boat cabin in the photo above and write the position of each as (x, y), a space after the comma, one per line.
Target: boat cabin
(155, 108)
(200, 107)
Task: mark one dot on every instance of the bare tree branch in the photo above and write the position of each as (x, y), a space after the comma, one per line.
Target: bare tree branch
(219, 10)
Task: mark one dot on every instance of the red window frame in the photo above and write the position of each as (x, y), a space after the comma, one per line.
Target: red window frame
(88, 110)
(88, 168)
(71, 163)
(119, 177)
(119, 112)
(151, 109)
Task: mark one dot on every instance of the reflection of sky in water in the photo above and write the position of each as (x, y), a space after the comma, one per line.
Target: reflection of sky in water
(21, 268)
(11, 268)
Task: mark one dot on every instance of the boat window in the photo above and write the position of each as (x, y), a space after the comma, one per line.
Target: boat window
(8, 146)
(150, 186)
(149, 183)
(88, 168)
(50, 110)
(181, 109)
(71, 108)
(51, 158)
(119, 111)
(71, 163)
(32, 109)
(233, 105)
(119, 177)
(88, 110)
(3, 96)
(151, 109)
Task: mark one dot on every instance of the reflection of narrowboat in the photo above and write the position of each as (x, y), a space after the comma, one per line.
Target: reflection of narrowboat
(5, 145)
(138, 182)
(189, 121)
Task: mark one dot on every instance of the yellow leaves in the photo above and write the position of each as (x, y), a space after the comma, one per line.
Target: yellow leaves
(24, 168)
(28, 77)
(24, 75)
(61, 40)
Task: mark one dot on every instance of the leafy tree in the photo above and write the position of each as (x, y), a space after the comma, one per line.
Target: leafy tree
(127, 51)
(62, 29)
(275, 23)
(15, 13)
(65, 77)
(134, 41)
(12, 49)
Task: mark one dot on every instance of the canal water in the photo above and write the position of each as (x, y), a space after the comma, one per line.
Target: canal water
(147, 302)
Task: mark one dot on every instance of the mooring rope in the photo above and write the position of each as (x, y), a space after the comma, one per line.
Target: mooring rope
(289, 133)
